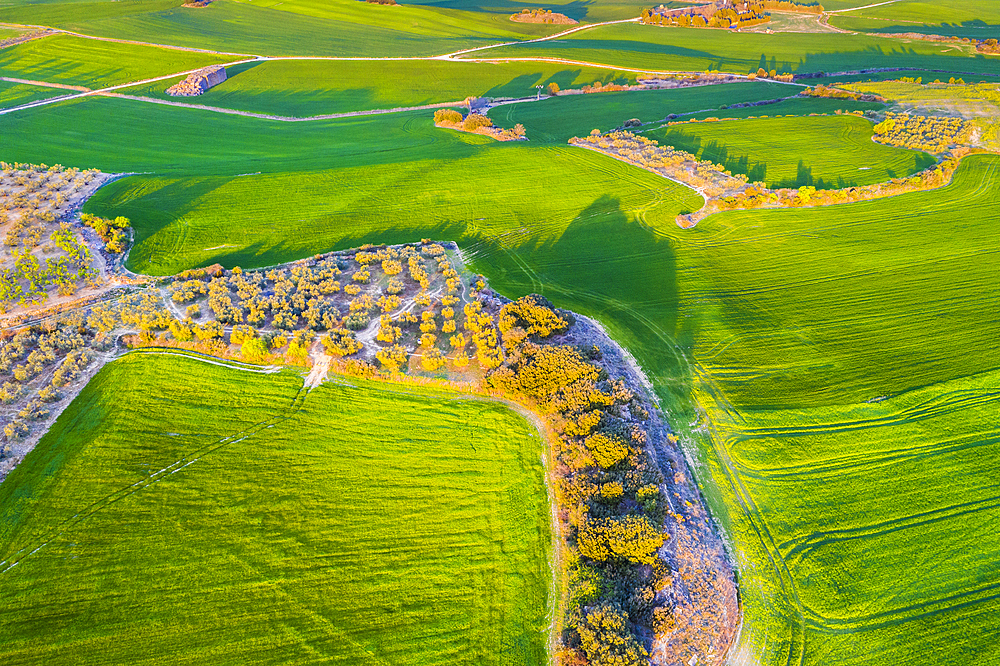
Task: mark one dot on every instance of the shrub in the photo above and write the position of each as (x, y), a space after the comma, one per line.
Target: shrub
(607, 640)
(475, 121)
(254, 349)
(447, 116)
(341, 342)
(607, 450)
(631, 538)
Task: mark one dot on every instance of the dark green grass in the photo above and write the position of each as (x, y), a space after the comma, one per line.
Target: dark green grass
(95, 64)
(828, 152)
(957, 18)
(316, 87)
(15, 94)
(694, 49)
(557, 119)
(296, 27)
(371, 524)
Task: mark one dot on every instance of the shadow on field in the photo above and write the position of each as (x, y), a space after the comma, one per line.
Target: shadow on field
(263, 253)
(606, 265)
(524, 85)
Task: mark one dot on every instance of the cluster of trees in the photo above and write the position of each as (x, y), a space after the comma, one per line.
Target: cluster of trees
(717, 15)
(762, 73)
(929, 133)
(540, 16)
(111, 231)
(477, 123)
(341, 342)
(33, 201)
(988, 46)
(834, 93)
(35, 363)
(758, 196)
(703, 175)
(609, 490)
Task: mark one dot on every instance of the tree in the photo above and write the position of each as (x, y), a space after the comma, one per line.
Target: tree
(447, 117)
(553, 88)
(475, 121)
(631, 538)
(607, 640)
(254, 349)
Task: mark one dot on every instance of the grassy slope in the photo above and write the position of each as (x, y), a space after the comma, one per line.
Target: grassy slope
(308, 88)
(854, 303)
(771, 150)
(694, 49)
(297, 27)
(372, 526)
(15, 94)
(95, 64)
(556, 120)
(959, 18)
(802, 313)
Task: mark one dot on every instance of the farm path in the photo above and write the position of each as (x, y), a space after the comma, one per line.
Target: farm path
(287, 119)
(102, 91)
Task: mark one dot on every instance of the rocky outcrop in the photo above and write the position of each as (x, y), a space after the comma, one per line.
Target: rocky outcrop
(198, 82)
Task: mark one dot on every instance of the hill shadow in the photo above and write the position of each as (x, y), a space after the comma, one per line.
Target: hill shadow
(605, 264)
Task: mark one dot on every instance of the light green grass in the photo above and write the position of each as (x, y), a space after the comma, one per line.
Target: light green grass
(371, 524)
(695, 49)
(829, 152)
(557, 119)
(95, 64)
(870, 508)
(958, 18)
(316, 87)
(296, 27)
(15, 94)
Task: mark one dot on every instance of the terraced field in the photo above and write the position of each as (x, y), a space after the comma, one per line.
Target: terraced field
(381, 524)
(958, 18)
(840, 152)
(95, 64)
(688, 49)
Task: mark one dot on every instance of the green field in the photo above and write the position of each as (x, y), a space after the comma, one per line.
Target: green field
(359, 524)
(556, 120)
(693, 49)
(827, 152)
(833, 372)
(309, 88)
(297, 27)
(15, 94)
(95, 64)
(802, 337)
(958, 18)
